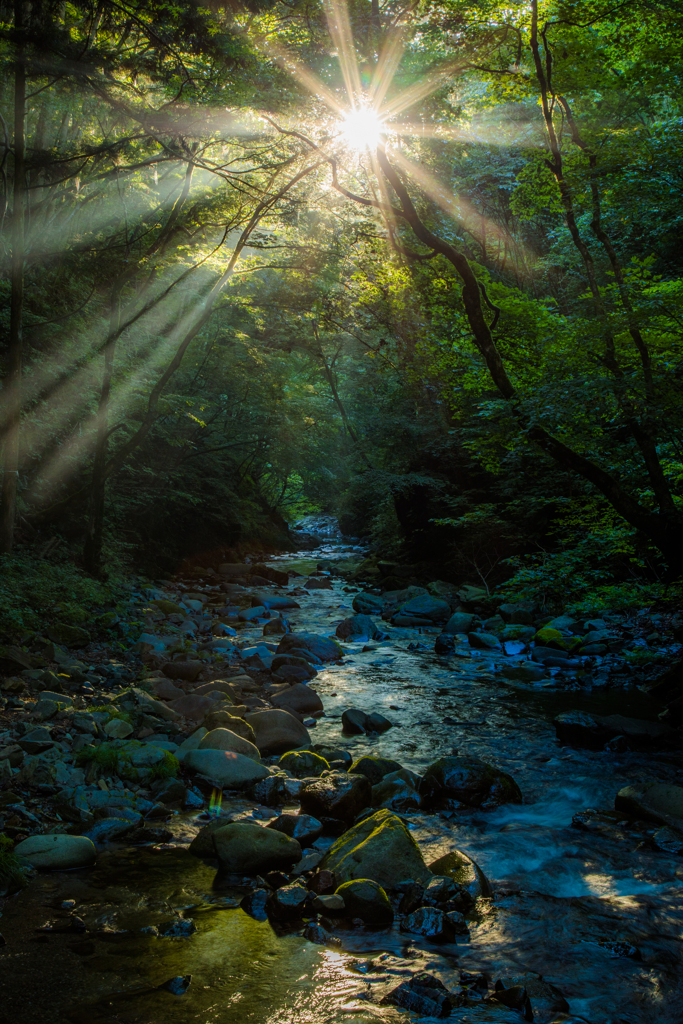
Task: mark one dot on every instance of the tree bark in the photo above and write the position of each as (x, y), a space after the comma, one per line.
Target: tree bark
(12, 388)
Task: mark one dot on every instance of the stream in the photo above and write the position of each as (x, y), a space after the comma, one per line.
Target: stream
(594, 911)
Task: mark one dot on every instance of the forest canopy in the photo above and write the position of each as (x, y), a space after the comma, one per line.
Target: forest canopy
(415, 265)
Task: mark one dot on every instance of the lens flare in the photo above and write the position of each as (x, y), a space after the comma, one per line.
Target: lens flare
(362, 128)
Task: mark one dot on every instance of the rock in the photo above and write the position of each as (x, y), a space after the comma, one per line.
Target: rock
(68, 636)
(289, 901)
(45, 709)
(592, 732)
(368, 604)
(255, 903)
(177, 928)
(338, 795)
(524, 634)
(549, 656)
(202, 844)
(379, 848)
(178, 985)
(155, 707)
(591, 649)
(165, 690)
(459, 622)
(454, 782)
(193, 707)
(465, 873)
(272, 791)
(167, 607)
(191, 743)
(277, 731)
(187, 670)
(526, 672)
(521, 614)
(107, 830)
(660, 802)
(398, 791)
(302, 827)
(36, 741)
(243, 848)
(373, 768)
(424, 606)
(484, 641)
(170, 791)
(294, 674)
(332, 904)
(423, 994)
(551, 638)
(249, 614)
(299, 698)
(377, 723)
(430, 923)
(226, 720)
(445, 644)
(225, 769)
(323, 648)
(323, 882)
(367, 900)
(354, 721)
(234, 569)
(303, 764)
(56, 852)
(224, 739)
(668, 839)
(118, 729)
(356, 626)
(472, 595)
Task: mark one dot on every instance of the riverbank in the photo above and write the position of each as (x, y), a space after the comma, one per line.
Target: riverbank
(570, 895)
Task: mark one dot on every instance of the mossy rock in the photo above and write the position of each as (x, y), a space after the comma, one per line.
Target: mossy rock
(169, 607)
(367, 900)
(379, 848)
(69, 636)
(455, 782)
(304, 764)
(107, 620)
(516, 631)
(549, 637)
(374, 768)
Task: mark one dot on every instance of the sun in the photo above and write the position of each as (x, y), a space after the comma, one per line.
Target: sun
(362, 128)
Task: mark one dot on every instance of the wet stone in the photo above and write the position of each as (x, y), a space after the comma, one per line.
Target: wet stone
(423, 994)
(254, 904)
(302, 827)
(180, 928)
(289, 901)
(430, 922)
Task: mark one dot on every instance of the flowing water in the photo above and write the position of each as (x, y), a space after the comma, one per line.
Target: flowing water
(567, 903)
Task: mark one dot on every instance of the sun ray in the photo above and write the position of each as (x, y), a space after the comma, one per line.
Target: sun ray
(387, 65)
(458, 207)
(339, 24)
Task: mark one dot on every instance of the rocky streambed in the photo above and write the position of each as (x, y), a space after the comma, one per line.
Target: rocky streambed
(291, 798)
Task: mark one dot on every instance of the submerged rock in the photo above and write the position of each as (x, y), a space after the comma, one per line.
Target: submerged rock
(379, 848)
(454, 782)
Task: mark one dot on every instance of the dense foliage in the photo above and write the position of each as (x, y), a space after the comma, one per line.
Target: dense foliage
(467, 345)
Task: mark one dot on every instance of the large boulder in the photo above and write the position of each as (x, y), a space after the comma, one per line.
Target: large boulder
(245, 848)
(338, 795)
(454, 782)
(367, 900)
(398, 791)
(322, 647)
(465, 873)
(224, 739)
(299, 698)
(380, 848)
(277, 731)
(55, 852)
(225, 769)
(655, 802)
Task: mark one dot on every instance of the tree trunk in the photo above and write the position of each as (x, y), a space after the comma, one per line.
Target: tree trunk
(12, 388)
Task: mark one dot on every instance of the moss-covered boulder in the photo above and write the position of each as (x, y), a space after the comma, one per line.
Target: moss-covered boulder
(549, 637)
(374, 768)
(454, 782)
(379, 848)
(169, 607)
(367, 900)
(224, 720)
(245, 848)
(224, 739)
(304, 764)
